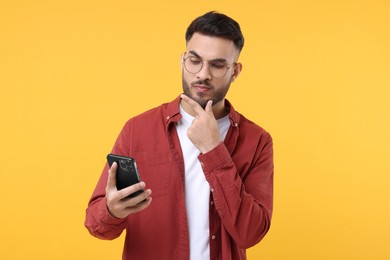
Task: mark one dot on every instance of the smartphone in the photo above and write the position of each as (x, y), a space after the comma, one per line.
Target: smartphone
(126, 173)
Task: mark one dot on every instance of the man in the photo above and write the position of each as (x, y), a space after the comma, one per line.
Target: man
(210, 169)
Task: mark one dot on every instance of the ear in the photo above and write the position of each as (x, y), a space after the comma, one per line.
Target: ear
(236, 71)
(181, 61)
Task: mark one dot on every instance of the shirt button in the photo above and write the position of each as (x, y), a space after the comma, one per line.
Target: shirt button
(212, 237)
(212, 189)
(211, 202)
(167, 117)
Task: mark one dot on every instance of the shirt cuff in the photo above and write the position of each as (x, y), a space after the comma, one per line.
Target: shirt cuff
(216, 158)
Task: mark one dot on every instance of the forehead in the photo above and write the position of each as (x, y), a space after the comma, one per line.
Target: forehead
(211, 47)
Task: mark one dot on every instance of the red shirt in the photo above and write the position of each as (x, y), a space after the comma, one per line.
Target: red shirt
(239, 171)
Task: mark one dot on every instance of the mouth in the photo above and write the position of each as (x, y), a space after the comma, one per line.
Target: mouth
(201, 87)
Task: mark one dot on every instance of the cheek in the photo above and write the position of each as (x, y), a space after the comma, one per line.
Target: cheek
(222, 83)
(229, 76)
(187, 78)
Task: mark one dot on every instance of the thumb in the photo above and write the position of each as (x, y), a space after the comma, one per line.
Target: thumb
(111, 181)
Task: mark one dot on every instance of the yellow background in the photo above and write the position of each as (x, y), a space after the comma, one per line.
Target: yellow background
(315, 75)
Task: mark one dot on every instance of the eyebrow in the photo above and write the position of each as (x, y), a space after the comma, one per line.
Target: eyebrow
(198, 56)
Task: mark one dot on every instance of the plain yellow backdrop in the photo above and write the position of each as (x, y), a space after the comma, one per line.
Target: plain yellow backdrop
(315, 75)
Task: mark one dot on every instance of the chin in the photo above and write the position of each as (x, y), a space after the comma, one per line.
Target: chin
(202, 101)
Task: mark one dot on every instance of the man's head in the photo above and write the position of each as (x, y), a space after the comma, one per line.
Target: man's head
(209, 65)
(217, 25)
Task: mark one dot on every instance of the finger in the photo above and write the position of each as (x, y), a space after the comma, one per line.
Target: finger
(111, 181)
(195, 106)
(209, 107)
(140, 198)
(140, 206)
(123, 193)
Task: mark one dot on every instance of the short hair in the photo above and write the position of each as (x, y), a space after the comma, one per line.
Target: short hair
(218, 25)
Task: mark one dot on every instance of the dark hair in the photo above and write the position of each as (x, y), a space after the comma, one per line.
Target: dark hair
(219, 25)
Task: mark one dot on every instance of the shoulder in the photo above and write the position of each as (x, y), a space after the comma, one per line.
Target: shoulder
(246, 126)
(154, 116)
(249, 125)
(254, 131)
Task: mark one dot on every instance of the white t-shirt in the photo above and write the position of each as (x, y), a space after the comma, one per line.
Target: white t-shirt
(197, 189)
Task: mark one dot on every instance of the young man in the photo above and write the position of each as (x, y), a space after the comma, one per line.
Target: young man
(210, 169)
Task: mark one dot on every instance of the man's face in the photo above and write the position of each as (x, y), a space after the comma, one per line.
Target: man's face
(212, 51)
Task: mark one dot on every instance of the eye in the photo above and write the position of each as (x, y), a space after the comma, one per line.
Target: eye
(194, 60)
(218, 65)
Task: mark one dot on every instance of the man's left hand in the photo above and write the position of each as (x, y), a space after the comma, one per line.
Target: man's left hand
(204, 131)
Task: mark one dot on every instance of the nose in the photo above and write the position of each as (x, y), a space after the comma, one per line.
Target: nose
(204, 73)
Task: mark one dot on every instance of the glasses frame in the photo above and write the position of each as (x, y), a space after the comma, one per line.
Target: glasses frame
(228, 66)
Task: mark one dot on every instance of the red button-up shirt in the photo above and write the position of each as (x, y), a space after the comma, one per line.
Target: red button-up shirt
(239, 171)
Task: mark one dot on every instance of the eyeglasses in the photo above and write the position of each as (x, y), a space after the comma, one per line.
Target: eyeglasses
(217, 68)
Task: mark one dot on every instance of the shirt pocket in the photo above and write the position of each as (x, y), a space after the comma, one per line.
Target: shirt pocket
(155, 170)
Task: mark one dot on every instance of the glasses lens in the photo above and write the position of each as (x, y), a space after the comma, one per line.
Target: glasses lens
(218, 69)
(193, 64)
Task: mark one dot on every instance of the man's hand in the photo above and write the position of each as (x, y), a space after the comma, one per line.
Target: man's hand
(204, 131)
(117, 205)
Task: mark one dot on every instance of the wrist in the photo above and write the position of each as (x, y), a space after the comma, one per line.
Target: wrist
(208, 148)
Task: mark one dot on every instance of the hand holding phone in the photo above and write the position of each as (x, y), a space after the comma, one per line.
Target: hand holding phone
(126, 173)
(119, 203)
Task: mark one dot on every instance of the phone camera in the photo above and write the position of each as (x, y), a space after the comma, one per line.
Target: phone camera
(122, 164)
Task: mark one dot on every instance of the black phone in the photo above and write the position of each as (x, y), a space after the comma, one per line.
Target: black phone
(126, 173)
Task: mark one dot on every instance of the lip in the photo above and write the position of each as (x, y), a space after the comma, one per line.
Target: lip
(201, 87)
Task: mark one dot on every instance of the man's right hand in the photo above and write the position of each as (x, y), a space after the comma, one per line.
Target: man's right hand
(117, 205)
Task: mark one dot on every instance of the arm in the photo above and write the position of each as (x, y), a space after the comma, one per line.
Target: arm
(107, 211)
(243, 200)
(244, 205)
(99, 222)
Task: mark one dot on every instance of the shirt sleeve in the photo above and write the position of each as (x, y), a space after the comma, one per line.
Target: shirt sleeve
(99, 222)
(243, 200)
